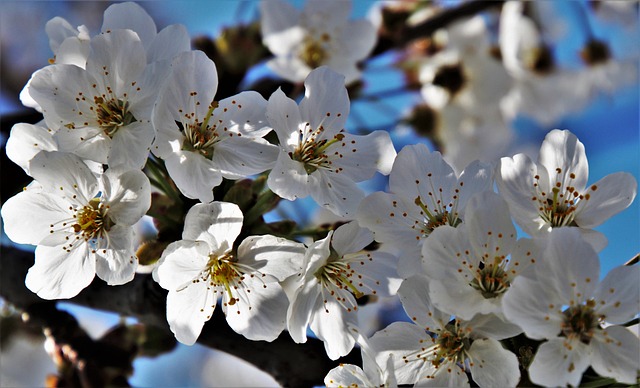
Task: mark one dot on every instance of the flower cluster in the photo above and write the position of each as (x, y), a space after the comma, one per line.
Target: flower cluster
(133, 125)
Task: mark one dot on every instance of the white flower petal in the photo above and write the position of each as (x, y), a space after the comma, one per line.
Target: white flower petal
(364, 155)
(217, 223)
(526, 304)
(272, 255)
(89, 143)
(117, 266)
(169, 42)
(335, 192)
(415, 298)
(284, 117)
(493, 366)
(245, 113)
(263, 317)
(301, 310)
(25, 141)
(360, 39)
(607, 197)
(28, 217)
(288, 178)
(194, 175)
(188, 309)
(489, 226)
(66, 174)
(181, 263)
(617, 296)
(130, 145)
(240, 157)
(325, 102)
(562, 150)
(129, 195)
(616, 354)
(346, 375)
(558, 363)
(402, 339)
(350, 238)
(130, 16)
(330, 322)
(275, 16)
(58, 274)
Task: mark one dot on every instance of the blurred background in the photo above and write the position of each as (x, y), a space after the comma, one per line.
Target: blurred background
(608, 124)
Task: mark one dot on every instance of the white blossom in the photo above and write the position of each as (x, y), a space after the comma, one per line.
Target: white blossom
(319, 35)
(437, 351)
(203, 267)
(566, 304)
(553, 192)
(317, 156)
(203, 140)
(471, 267)
(338, 270)
(82, 225)
(425, 194)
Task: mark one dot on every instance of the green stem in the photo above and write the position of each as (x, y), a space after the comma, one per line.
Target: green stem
(263, 204)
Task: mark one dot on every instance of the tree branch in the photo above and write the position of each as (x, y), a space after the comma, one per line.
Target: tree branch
(291, 364)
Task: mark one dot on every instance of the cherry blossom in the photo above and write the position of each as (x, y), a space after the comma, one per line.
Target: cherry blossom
(577, 314)
(319, 35)
(553, 192)
(426, 193)
(437, 351)
(204, 267)
(317, 156)
(82, 225)
(338, 270)
(203, 140)
(471, 267)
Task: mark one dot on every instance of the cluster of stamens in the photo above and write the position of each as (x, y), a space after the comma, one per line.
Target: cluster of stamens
(437, 211)
(339, 278)
(90, 224)
(450, 345)
(491, 279)
(558, 208)
(312, 153)
(201, 137)
(314, 52)
(580, 321)
(112, 115)
(225, 275)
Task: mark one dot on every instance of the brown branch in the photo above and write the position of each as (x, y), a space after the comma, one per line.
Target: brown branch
(444, 18)
(291, 364)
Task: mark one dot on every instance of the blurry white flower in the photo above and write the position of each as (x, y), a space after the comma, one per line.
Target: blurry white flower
(203, 140)
(338, 270)
(317, 157)
(203, 267)
(567, 305)
(82, 225)
(471, 267)
(425, 194)
(319, 35)
(553, 192)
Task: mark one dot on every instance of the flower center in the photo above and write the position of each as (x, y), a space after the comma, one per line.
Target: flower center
(112, 115)
(450, 77)
(311, 153)
(338, 274)
(438, 216)
(580, 322)
(491, 280)
(451, 345)
(201, 137)
(92, 221)
(558, 208)
(314, 52)
(223, 272)
(595, 52)
(539, 60)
